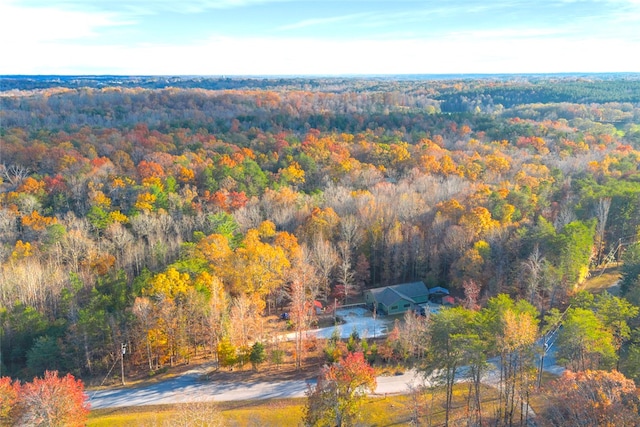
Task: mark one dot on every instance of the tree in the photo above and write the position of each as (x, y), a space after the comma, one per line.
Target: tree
(44, 353)
(345, 274)
(53, 401)
(532, 269)
(341, 388)
(584, 342)
(8, 400)
(602, 214)
(257, 355)
(226, 353)
(324, 258)
(591, 398)
(447, 328)
(630, 283)
(258, 267)
(300, 307)
(511, 329)
(615, 312)
(471, 294)
(217, 307)
(573, 247)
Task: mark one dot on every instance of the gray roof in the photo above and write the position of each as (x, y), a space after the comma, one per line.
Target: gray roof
(388, 295)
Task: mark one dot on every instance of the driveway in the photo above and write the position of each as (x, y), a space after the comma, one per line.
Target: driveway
(357, 319)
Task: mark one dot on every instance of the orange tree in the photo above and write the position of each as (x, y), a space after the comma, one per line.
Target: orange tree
(52, 401)
(341, 388)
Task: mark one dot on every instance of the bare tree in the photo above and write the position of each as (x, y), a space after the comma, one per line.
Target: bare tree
(345, 274)
(565, 216)
(324, 259)
(244, 313)
(14, 173)
(532, 268)
(602, 213)
(350, 232)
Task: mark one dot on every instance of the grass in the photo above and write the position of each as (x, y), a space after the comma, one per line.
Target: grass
(246, 413)
(600, 282)
(392, 410)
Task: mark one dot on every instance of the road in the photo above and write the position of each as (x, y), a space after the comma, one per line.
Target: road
(190, 387)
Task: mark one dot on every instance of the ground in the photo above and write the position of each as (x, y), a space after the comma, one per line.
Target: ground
(601, 280)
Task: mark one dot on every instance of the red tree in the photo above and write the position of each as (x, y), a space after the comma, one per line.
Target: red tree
(53, 401)
(337, 398)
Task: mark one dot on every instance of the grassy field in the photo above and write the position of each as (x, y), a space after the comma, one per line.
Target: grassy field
(248, 413)
(397, 410)
(600, 281)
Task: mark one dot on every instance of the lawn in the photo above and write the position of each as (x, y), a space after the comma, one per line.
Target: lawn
(396, 410)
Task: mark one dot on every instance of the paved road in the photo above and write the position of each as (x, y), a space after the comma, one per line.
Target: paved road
(190, 388)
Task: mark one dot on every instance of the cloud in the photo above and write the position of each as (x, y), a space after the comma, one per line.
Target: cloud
(323, 21)
(86, 36)
(28, 25)
(281, 56)
(143, 6)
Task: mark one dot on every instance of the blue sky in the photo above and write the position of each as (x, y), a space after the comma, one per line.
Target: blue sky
(291, 37)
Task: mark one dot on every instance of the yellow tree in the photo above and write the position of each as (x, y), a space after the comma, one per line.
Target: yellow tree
(217, 307)
(170, 284)
(167, 291)
(258, 267)
(321, 224)
(215, 249)
(498, 164)
(292, 174)
(478, 221)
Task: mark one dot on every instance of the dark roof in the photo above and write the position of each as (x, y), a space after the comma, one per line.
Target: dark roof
(438, 290)
(388, 295)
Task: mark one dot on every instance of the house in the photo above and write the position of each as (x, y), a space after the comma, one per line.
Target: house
(438, 295)
(397, 299)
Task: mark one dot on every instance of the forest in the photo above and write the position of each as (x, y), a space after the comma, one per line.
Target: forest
(175, 215)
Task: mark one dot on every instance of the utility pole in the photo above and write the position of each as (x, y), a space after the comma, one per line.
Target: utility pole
(375, 316)
(123, 348)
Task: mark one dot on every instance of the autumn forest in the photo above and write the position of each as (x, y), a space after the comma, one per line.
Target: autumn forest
(176, 215)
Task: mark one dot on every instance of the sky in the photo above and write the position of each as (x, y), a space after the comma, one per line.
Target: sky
(322, 37)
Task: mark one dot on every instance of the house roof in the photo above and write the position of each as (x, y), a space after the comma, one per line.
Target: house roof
(438, 290)
(388, 295)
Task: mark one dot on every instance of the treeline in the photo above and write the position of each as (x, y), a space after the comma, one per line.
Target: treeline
(173, 219)
(509, 94)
